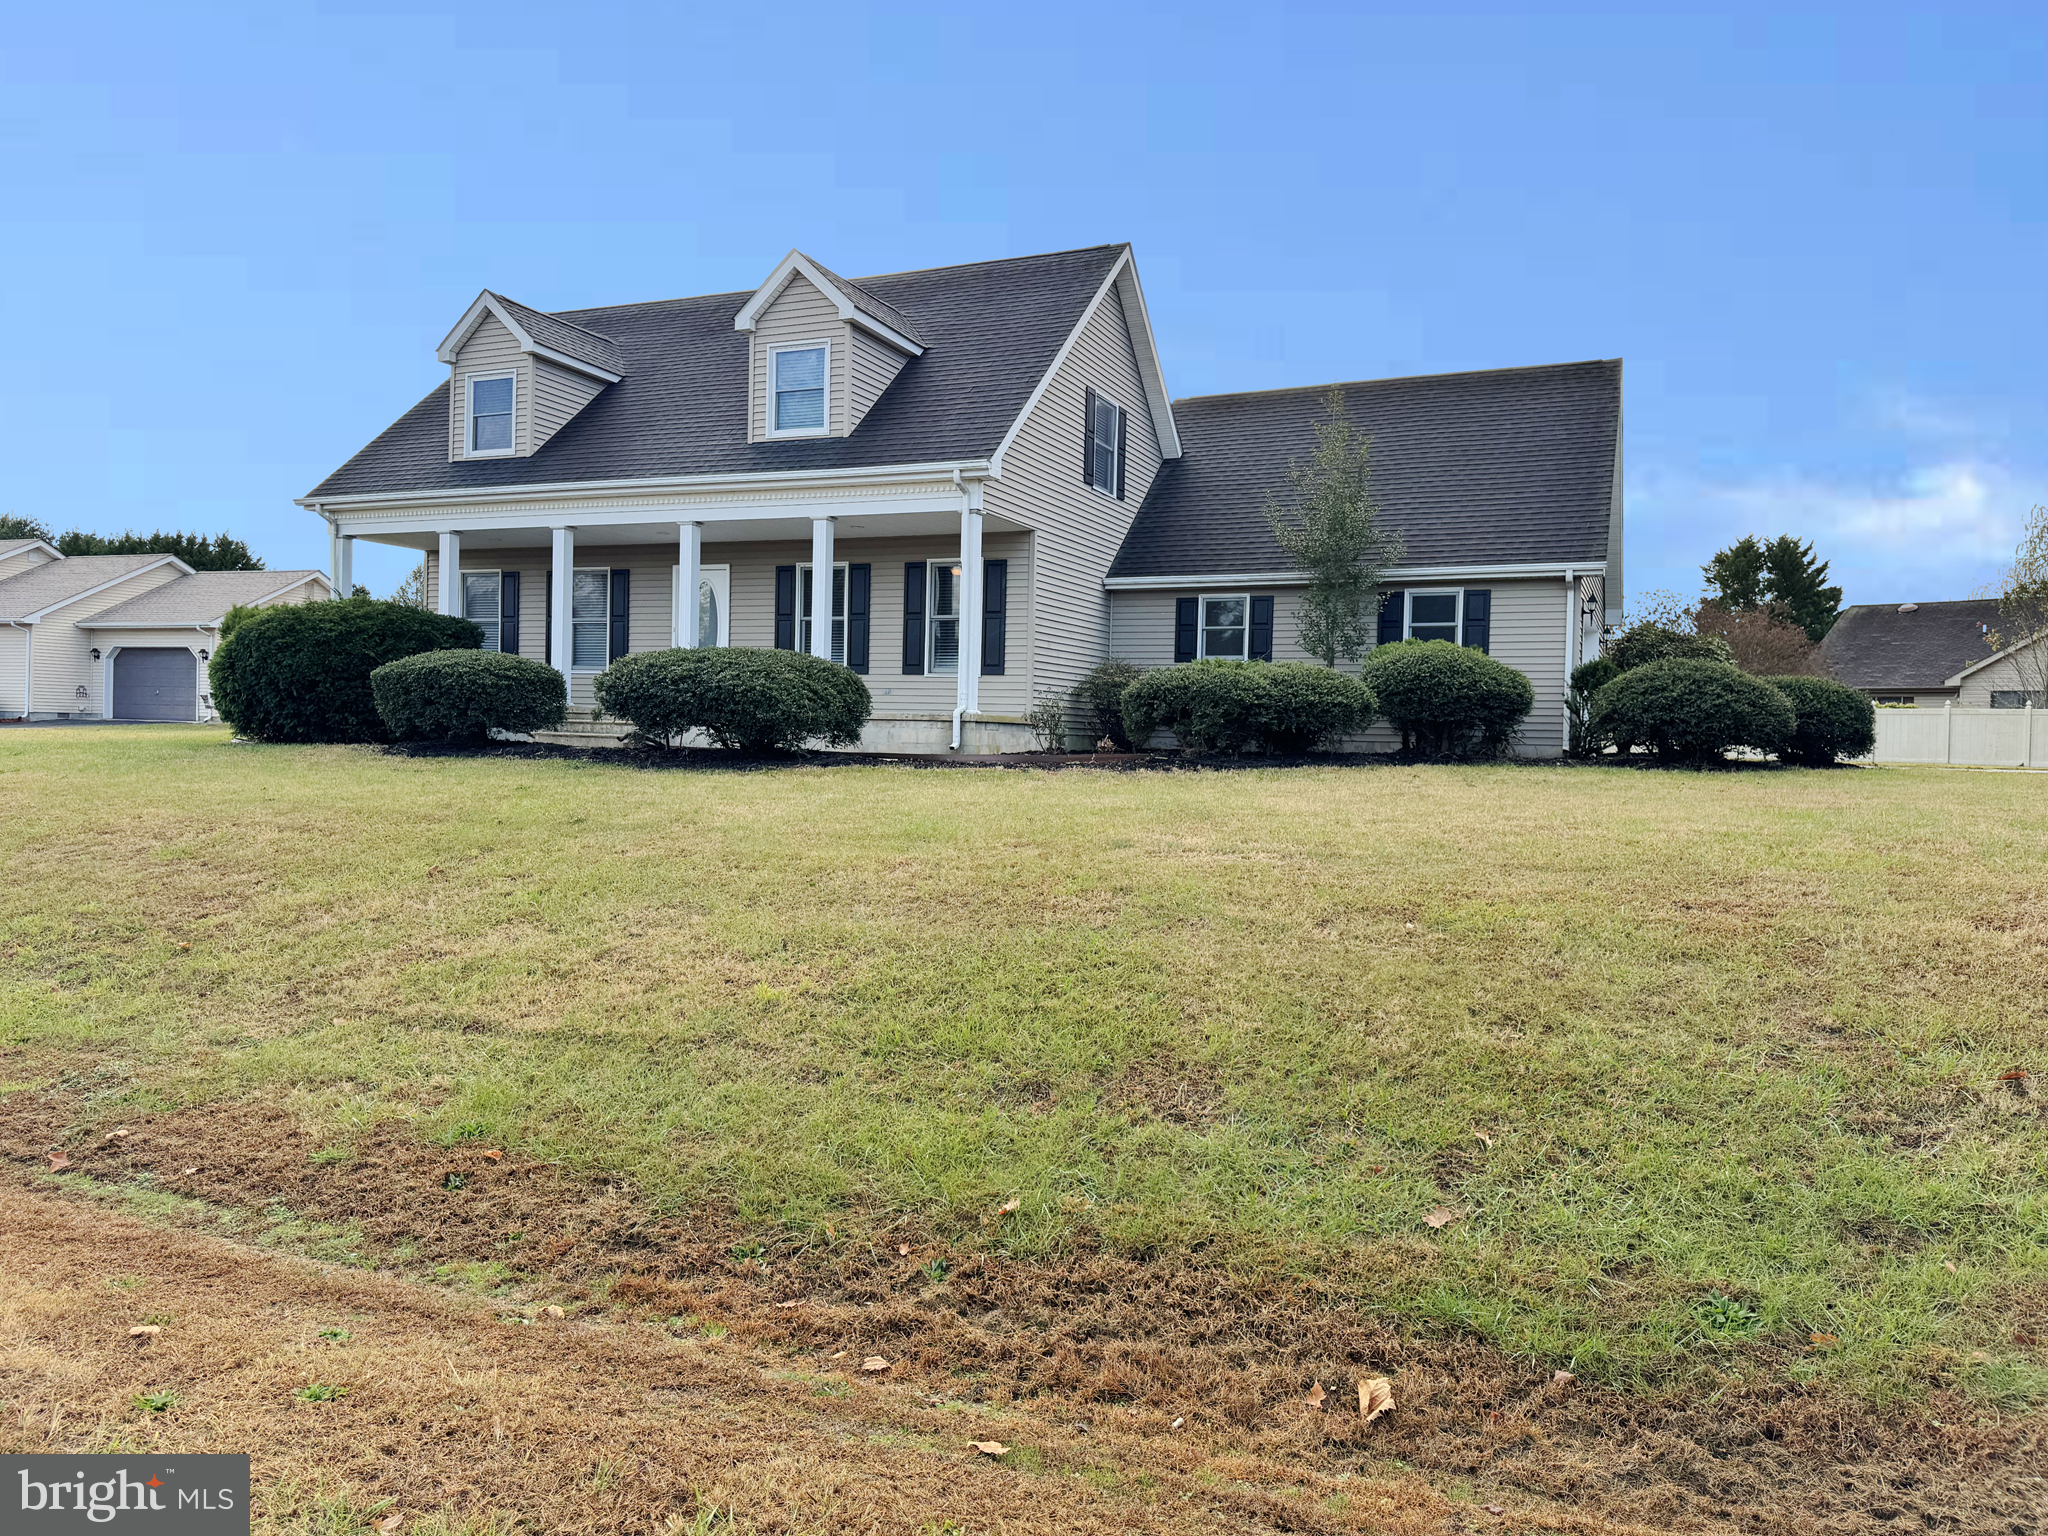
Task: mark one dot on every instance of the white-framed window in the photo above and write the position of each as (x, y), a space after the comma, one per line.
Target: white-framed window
(590, 620)
(942, 617)
(492, 399)
(799, 394)
(2019, 698)
(482, 594)
(1226, 625)
(1106, 432)
(803, 610)
(1435, 615)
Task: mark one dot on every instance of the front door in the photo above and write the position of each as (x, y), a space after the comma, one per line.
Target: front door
(714, 603)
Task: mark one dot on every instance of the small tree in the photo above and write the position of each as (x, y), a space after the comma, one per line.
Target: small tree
(1784, 575)
(412, 592)
(2023, 607)
(1764, 640)
(1333, 533)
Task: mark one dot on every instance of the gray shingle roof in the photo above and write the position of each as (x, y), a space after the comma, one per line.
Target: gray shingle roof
(558, 335)
(1511, 466)
(10, 546)
(990, 329)
(869, 305)
(1874, 645)
(201, 598)
(39, 586)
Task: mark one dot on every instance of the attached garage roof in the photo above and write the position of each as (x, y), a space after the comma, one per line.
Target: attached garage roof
(1908, 645)
(204, 597)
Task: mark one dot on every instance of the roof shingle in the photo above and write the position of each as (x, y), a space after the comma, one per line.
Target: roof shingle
(1879, 646)
(33, 590)
(201, 598)
(1510, 466)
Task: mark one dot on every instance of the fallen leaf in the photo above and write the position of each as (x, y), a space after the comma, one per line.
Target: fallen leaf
(493, 1153)
(840, 1356)
(556, 1312)
(903, 1250)
(1482, 1136)
(1316, 1394)
(1439, 1218)
(1008, 1206)
(116, 1135)
(184, 946)
(2017, 1074)
(391, 1523)
(1375, 1397)
(1822, 1340)
(190, 1171)
(1562, 1378)
(58, 1160)
(1493, 1509)
(1379, 1168)
(797, 1303)
(990, 1447)
(874, 1363)
(144, 1332)
(1949, 1265)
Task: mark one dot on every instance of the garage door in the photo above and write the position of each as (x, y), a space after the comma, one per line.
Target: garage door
(154, 684)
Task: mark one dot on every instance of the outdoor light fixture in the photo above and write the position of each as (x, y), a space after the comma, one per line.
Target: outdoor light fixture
(204, 654)
(95, 653)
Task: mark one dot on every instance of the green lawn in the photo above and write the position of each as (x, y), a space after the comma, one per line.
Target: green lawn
(1649, 1036)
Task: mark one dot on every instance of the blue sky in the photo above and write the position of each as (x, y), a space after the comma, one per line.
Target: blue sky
(232, 236)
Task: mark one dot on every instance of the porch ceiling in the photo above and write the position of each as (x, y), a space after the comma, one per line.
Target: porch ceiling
(879, 525)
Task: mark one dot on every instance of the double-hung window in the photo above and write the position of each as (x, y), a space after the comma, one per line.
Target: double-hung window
(1105, 441)
(2019, 698)
(805, 607)
(590, 620)
(942, 617)
(491, 398)
(1225, 623)
(796, 390)
(481, 596)
(1434, 616)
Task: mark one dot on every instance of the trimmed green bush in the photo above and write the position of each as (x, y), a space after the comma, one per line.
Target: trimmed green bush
(1693, 711)
(1646, 641)
(1830, 721)
(1101, 693)
(461, 695)
(752, 701)
(301, 671)
(1215, 707)
(1591, 676)
(1448, 700)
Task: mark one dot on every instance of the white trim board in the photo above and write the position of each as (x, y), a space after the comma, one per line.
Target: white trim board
(797, 262)
(487, 304)
(1387, 577)
(66, 601)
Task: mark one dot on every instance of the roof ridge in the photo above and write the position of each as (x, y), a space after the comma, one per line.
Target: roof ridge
(1403, 378)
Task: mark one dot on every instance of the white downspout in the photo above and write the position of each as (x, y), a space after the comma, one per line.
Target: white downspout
(1571, 621)
(28, 665)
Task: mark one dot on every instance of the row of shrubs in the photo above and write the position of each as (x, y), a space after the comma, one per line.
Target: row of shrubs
(362, 670)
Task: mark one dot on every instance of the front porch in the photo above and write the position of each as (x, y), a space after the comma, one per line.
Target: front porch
(919, 602)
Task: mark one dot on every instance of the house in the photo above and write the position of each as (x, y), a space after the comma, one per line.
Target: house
(1927, 655)
(124, 637)
(969, 484)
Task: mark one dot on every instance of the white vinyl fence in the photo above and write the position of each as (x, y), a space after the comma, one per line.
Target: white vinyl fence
(1981, 738)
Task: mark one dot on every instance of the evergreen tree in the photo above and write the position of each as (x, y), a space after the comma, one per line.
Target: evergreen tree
(1798, 584)
(222, 552)
(1333, 533)
(13, 527)
(1735, 576)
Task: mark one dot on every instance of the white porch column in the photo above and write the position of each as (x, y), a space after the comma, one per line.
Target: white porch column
(561, 602)
(971, 595)
(451, 572)
(821, 586)
(343, 568)
(689, 576)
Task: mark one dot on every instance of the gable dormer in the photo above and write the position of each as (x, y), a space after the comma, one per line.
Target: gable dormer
(822, 351)
(517, 376)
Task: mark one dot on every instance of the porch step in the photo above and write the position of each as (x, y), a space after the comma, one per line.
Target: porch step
(586, 733)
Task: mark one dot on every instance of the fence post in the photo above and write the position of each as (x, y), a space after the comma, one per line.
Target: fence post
(2027, 741)
(1948, 733)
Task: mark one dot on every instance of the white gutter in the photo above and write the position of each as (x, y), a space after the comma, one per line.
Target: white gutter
(554, 490)
(1302, 578)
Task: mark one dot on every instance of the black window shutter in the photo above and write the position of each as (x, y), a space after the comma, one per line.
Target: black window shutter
(1261, 647)
(508, 613)
(785, 607)
(1123, 436)
(1478, 620)
(859, 583)
(995, 594)
(913, 619)
(547, 623)
(1391, 614)
(1088, 437)
(1184, 621)
(622, 613)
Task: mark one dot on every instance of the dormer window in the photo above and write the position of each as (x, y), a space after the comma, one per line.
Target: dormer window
(490, 414)
(796, 390)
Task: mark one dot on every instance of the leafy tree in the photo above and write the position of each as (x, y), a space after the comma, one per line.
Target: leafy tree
(2023, 606)
(1735, 576)
(1333, 533)
(13, 527)
(222, 552)
(412, 591)
(1763, 640)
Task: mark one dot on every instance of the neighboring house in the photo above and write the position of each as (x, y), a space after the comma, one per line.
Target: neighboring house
(985, 462)
(1924, 654)
(125, 637)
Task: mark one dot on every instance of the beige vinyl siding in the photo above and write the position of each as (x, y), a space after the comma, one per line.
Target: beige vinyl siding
(751, 619)
(23, 560)
(490, 349)
(872, 366)
(14, 644)
(1528, 634)
(558, 394)
(1078, 528)
(800, 313)
(63, 660)
(1976, 689)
